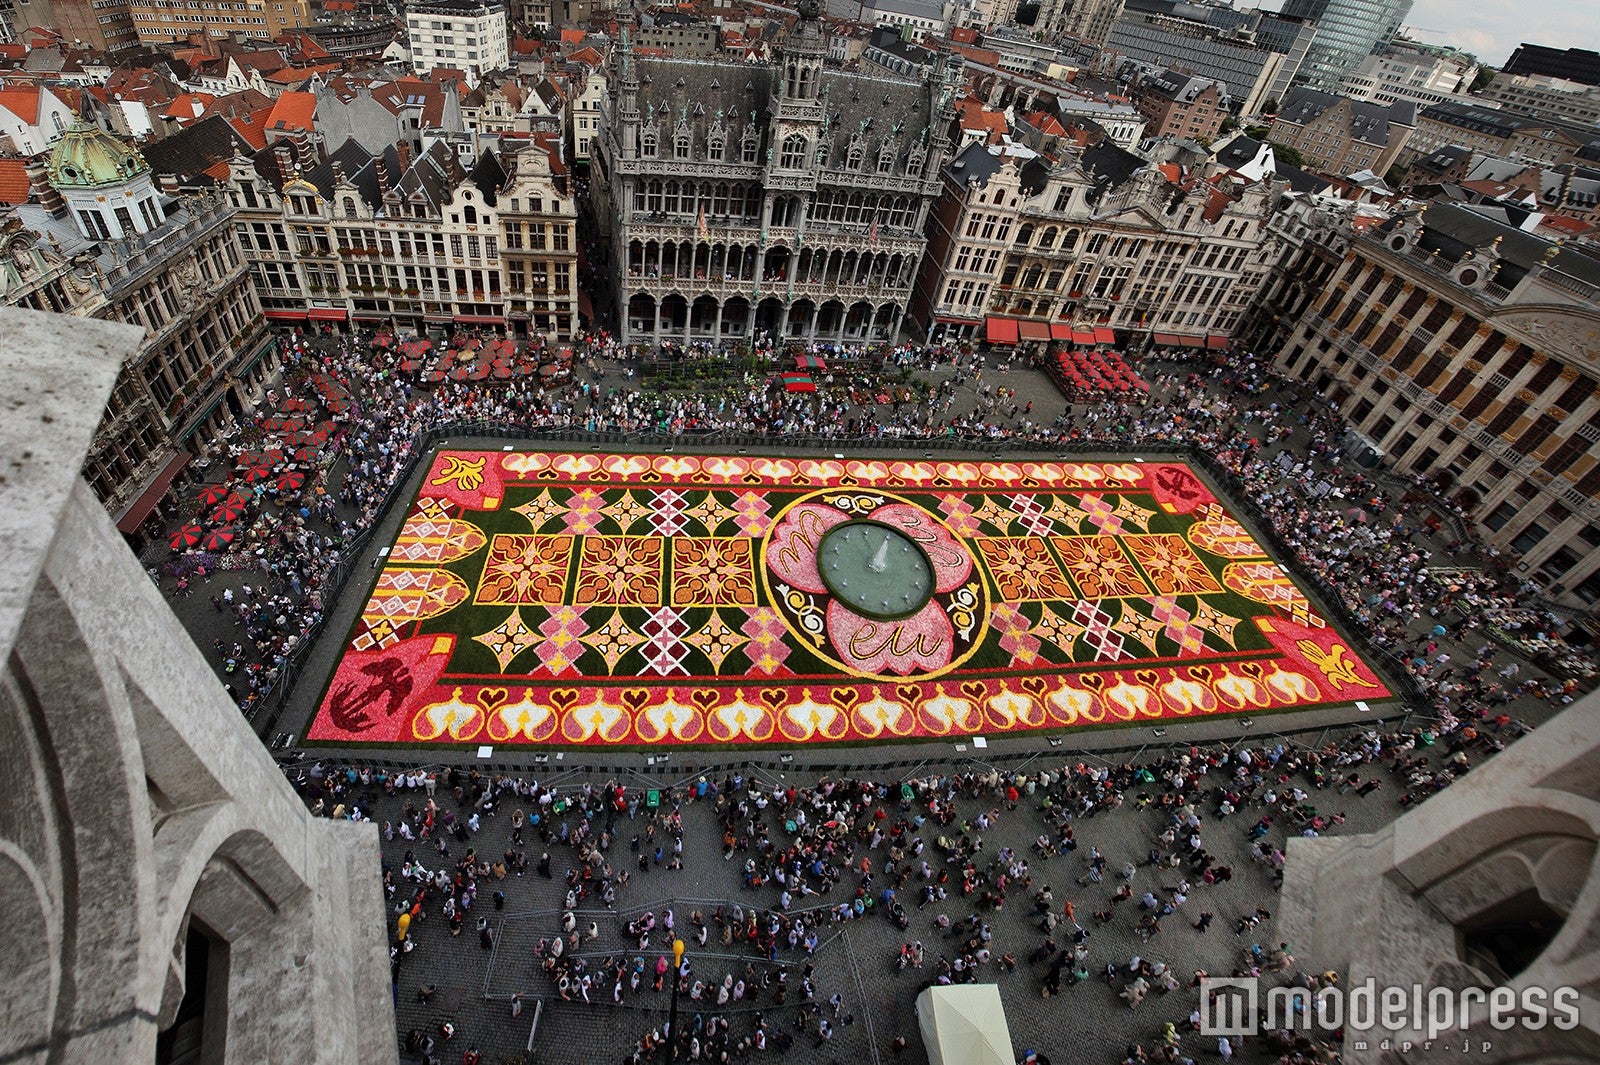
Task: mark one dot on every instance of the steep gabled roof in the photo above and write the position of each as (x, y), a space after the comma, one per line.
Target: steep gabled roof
(195, 149)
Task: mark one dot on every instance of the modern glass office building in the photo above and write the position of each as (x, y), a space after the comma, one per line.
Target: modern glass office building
(1347, 32)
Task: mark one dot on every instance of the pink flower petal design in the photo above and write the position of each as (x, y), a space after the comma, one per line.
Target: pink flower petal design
(792, 552)
(921, 643)
(952, 565)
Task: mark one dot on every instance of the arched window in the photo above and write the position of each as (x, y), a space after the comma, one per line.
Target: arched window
(349, 206)
(716, 147)
(1025, 234)
(794, 152)
(647, 144)
(469, 214)
(854, 159)
(749, 148)
(1048, 240)
(680, 146)
(885, 160)
(1070, 241)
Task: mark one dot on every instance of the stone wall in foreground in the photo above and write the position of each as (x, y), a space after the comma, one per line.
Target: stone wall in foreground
(143, 820)
(1463, 892)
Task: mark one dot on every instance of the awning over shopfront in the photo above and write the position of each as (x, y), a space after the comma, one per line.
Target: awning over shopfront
(1029, 329)
(285, 316)
(326, 314)
(479, 319)
(1001, 330)
(146, 501)
(1102, 335)
(585, 305)
(1083, 338)
(1060, 331)
(1177, 340)
(1217, 342)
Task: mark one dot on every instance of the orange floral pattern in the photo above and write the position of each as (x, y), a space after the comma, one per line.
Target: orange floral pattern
(619, 571)
(713, 571)
(1098, 566)
(523, 568)
(1171, 565)
(1022, 569)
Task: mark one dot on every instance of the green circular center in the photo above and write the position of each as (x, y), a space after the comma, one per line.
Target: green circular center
(875, 569)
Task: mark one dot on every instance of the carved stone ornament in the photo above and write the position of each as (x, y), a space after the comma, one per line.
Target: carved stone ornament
(1564, 336)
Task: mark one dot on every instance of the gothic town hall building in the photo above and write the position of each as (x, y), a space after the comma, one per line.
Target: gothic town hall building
(782, 200)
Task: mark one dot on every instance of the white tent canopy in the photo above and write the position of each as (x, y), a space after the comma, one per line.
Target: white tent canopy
(964, 1024)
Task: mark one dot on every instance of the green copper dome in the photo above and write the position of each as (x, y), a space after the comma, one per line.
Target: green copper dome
(87, 157)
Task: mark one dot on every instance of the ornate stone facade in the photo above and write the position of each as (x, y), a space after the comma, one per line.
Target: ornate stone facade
(784, 199)
(1468, 351)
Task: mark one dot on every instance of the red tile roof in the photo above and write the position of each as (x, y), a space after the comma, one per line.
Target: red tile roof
(293, 111)
(572, 36)
(588, 57)
(22, 102)
(13, 50)
(252, 127)
(13, 182)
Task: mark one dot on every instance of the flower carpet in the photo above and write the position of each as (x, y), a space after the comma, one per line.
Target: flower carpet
(643, 600)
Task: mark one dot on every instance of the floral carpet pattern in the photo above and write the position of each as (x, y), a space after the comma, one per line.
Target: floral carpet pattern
(592, 599)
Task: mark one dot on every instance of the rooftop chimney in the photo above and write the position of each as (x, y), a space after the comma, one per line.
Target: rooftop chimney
(40, 189)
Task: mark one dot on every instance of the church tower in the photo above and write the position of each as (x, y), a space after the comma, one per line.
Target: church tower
(797, 94)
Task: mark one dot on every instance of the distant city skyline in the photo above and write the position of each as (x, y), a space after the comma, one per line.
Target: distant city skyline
(1493, 31)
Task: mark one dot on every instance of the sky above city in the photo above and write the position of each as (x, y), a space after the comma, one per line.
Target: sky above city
(1492, 31)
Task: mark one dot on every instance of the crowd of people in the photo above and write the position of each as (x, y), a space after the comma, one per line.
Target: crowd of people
(938, 857)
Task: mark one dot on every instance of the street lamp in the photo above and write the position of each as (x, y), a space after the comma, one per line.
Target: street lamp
(672, 1019)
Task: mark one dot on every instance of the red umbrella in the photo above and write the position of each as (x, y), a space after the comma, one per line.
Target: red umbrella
(433, 377)
(256, 473)
(461, 373)
(481, 371)
(227, 513)
(502, 373)
(301, 454)
(296, 439)
(212, 494)
(298, 404)
(338, 406)
(186, 537)
(219, 538)
(234, 499)
(410, 365)
(290, 482)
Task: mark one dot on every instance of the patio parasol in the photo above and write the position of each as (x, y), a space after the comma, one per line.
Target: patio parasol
(218, 539)
(257, 473)
(296, 405)
(502, 373)
(302, 454)
(410, 365)
(226, 513)
(289, 482)
(461, 373)
(186, 537)
(212, 494)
